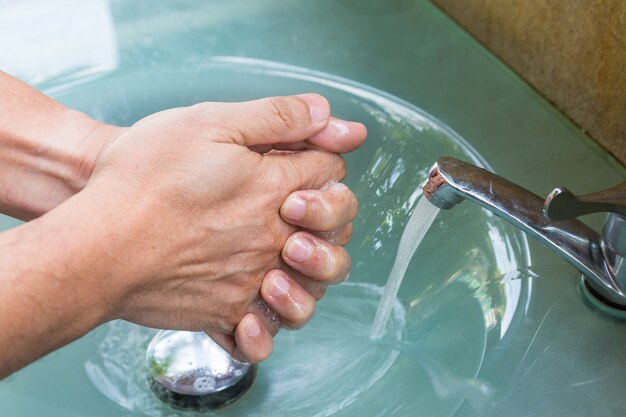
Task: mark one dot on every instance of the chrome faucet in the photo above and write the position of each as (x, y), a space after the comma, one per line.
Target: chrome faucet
(600, 257)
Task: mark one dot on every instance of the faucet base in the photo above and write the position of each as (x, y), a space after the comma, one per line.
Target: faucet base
(204, 403)
(600, 303)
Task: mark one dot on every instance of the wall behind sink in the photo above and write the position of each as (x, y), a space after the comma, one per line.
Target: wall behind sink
(572, 51)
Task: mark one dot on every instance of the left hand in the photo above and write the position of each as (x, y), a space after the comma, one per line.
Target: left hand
(310, 259)
(313, 257)
(50, 151)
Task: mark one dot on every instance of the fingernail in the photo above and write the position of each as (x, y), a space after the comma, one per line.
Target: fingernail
(299, 250)
(339, 187)
(280, 286)
(318, 107)
(294, 209)
(252, 328)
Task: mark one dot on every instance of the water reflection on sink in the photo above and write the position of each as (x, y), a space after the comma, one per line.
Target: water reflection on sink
(465, 292)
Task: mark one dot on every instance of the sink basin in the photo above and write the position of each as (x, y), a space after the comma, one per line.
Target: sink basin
(465, 292)
(486, 323)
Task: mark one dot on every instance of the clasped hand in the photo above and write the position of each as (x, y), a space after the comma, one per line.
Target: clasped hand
(213, 207)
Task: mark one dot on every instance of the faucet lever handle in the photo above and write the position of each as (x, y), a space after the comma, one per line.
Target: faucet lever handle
(561, 204)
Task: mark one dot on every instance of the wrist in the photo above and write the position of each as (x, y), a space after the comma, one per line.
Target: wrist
(84, 139)
(54, 286)
(47, 151)
(45, 166)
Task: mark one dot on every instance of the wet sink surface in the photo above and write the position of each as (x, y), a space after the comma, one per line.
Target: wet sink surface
(486, 322)
(452, 303)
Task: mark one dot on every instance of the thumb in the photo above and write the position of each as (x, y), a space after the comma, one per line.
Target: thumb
(272, 120)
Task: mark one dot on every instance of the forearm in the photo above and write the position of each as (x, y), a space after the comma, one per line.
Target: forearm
(54, 283)
(47, 151)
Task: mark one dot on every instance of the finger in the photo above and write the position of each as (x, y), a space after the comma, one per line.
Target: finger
(295, 146)
(226, 341)
(253, 342)
(270, 319)
(292, 302)
(306, 170)
(315, 288)
(339, 136)
(322, 211)
(316, 258)
(339, 237)
(249, 343)
(270, 120)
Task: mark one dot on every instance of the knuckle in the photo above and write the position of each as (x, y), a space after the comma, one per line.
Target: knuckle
(270, 241)
(346, 236)
(348, 266)
(338, 167)
(354, 206)
(298, 309)
(271, 180)
(329, 263)
(342, 207)
(326, 223)
(342, 167)
(311, 285)
(322, 217)
(342, 266)
(299, 321)
(275, 177)
(272, 235)
(340, 236)
(200, 114)
(213, 121)
(292, 173)
(287, 112)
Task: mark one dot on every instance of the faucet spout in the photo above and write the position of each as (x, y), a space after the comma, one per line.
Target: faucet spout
(452, 181)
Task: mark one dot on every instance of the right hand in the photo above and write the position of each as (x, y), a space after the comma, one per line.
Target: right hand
(195, 213)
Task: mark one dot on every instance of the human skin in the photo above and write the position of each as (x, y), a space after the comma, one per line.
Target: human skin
(182, 221)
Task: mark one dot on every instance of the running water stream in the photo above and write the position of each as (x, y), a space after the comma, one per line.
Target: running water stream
(420, 221)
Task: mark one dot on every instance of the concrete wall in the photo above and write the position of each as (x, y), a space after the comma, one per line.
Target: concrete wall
(572, 51)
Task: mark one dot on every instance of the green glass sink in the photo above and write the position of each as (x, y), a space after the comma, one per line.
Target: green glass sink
(487, 322)
(466, 290)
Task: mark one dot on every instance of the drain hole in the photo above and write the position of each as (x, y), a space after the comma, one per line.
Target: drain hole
(203, 403)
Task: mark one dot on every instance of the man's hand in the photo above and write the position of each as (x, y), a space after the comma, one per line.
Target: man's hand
(202, 210)
(179, 223)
